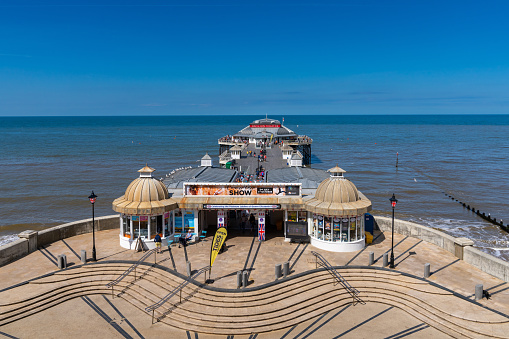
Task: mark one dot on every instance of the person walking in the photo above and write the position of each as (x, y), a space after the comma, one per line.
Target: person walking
(157, 240)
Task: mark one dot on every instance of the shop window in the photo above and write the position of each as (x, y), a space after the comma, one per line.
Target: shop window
(320, 227)
(292, 215)
(360, 227)
(344, 230)
(353, 226)
(336, 229)
(178, 221)
(303, 216)
(189, 221)
(167, 222)
(327, 226)
(126, 226)
(140, 226)
(315, 226)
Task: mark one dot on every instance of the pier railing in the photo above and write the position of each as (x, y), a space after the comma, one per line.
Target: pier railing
(177, 289)
(321, 261)
(131, 269)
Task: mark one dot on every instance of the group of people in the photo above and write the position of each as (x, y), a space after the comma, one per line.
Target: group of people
(245, 220)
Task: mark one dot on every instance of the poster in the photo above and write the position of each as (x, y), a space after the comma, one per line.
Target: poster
(261, 226)
(221, 219)
(242, 189)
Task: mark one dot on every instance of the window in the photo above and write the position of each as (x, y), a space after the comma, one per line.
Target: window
(126, 226)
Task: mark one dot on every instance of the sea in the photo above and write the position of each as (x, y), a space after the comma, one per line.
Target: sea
(50, 165)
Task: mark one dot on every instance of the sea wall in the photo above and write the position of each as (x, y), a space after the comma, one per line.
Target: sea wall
(417, 231)
(31, 240)
(460, 247)
(13, 250)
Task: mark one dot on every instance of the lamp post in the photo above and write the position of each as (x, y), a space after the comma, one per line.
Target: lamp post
(92, 197)
(393, 201)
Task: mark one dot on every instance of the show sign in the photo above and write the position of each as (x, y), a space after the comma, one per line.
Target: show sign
(242, 189)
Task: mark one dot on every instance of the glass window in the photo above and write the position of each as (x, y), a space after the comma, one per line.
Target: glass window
(327, 228)
(189, 221)
(141, 227)
(126, 226)
(320, 227)
(178, 221)
(353, 225)
(360, 223)
(315, 226)
(344, 229)
(303, 216)
(167, 224)
(336, 228)
(292, 215)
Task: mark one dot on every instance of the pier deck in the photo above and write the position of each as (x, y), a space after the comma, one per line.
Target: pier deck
(249, 164)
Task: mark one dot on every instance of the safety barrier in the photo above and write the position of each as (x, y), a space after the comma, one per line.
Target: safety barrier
(177, 289)
(132, 268)
(337, 277)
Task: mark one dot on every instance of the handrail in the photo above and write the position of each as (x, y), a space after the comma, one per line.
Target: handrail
(130, 269)
(338, 277)
(176, 289)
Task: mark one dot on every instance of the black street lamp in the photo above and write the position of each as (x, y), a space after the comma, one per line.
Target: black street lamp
(92, 198)
(393, 201)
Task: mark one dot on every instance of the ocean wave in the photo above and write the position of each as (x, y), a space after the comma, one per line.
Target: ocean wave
(5, 239)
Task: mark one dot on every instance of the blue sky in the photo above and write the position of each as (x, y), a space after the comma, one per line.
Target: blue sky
(253, 57)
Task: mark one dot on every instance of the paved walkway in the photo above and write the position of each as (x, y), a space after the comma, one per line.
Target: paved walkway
(250, 164)
(117, 318)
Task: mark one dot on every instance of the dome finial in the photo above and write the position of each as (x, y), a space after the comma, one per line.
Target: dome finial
(146, 172)
(336, 172)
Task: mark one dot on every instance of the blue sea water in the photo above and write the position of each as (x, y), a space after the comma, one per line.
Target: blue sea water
(49, 165)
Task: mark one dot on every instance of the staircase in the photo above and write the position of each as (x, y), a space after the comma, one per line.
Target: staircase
(274, 306)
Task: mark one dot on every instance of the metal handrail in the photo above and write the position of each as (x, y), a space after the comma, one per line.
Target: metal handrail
(177, 289)
(338, 277)
(130, 269)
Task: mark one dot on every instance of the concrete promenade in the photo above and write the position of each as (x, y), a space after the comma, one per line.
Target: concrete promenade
(86, 316)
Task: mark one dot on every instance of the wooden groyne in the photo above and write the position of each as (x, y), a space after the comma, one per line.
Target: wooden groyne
(481, 214)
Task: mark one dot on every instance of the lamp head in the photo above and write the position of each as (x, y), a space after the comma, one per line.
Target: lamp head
(393, 200)
(92, 197)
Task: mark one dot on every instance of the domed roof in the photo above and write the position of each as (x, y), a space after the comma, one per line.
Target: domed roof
(145, 195)
(337, 190)
(338, 196)
(146, 190)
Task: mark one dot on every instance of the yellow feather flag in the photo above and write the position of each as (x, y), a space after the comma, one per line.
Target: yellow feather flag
(217, 243)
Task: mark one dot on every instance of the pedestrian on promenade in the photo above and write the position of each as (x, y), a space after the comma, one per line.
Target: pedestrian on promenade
(157, 240)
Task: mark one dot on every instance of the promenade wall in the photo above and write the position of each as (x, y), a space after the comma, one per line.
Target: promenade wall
(460, 247)
(32, 240)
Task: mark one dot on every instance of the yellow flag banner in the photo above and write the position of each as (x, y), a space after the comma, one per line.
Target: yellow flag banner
(219, 239)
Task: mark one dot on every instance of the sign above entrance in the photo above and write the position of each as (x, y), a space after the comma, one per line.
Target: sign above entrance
(242, 207)
(242, 189)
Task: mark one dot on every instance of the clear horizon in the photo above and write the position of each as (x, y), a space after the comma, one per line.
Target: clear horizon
(179, 58)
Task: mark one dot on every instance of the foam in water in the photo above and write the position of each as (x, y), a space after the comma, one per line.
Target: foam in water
(5, 239)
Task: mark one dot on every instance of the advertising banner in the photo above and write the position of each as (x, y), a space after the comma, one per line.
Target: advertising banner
(217, 243)
(220, 219)
(242, 189)
(261, 226)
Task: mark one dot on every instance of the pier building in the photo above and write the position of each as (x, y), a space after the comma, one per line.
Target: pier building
(264, 189)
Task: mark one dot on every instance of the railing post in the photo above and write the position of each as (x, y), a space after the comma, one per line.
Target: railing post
(155, 257)
(134, 273)
(181, 295)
